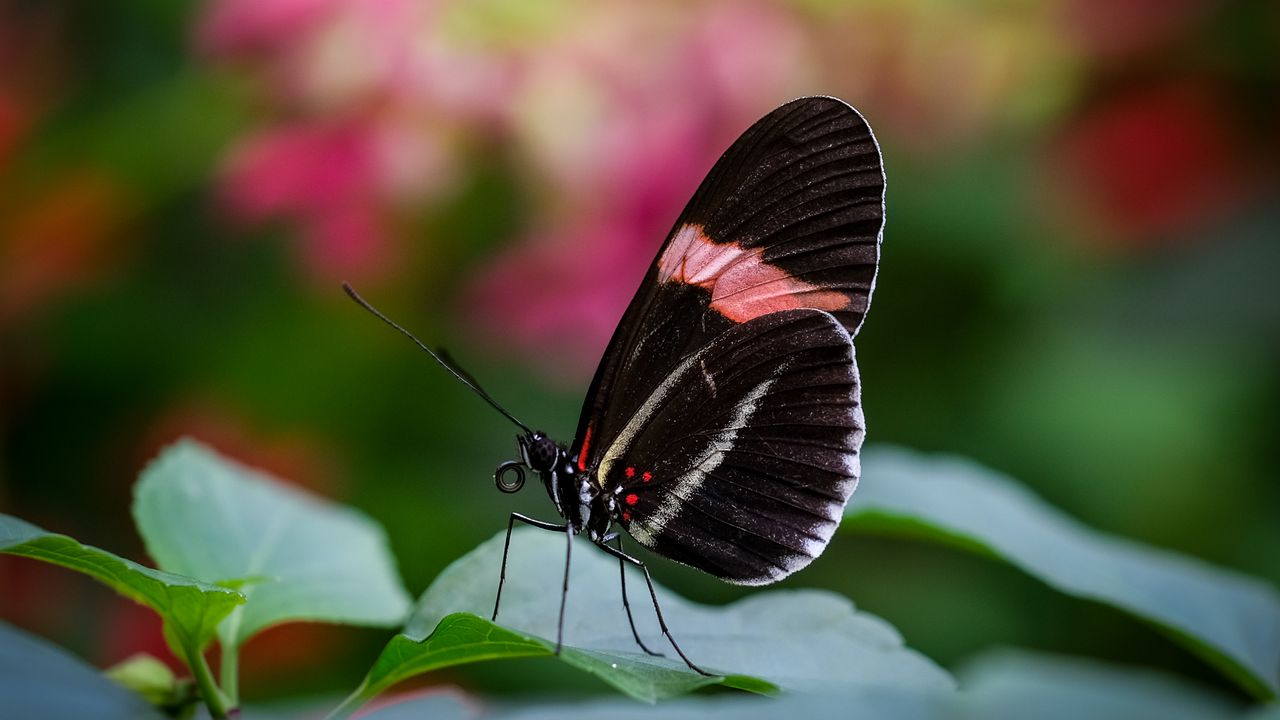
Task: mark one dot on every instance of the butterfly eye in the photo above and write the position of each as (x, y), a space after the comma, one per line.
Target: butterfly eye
(503, 476)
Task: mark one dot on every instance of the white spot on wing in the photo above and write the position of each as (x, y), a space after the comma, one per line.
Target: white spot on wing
(711, 381)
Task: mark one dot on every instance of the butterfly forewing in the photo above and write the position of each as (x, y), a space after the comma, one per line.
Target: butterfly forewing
(789, 217)
(741, 461)
(801, 196)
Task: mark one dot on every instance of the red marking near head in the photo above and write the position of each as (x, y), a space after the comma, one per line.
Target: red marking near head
(626, 515)
(647, 477)
(632, 499)
(743, 286)
(631, 472)
(582, 454)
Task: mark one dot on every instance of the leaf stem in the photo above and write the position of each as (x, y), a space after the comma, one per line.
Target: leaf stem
(230, 672)
(213, 697)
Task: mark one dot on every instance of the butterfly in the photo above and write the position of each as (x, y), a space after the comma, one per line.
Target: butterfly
(723, 426)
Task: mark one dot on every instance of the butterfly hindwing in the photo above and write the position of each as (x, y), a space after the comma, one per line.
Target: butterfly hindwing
(741, 461)
(789, 217)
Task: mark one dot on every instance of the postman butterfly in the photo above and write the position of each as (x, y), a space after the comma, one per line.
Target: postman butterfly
(723, 426)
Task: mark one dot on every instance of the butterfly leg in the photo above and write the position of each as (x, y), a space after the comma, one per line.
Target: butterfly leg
(564, 591)
(506, 546)
(653, 595)
(622, 575)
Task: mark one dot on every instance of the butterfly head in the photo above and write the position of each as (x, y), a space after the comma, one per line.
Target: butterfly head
(538, 451)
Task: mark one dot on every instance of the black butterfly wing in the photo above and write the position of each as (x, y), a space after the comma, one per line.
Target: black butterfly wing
(789, 217)
(741, 461)
(801, 196)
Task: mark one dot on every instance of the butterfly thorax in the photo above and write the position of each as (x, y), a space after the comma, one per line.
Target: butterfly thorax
(578, 500)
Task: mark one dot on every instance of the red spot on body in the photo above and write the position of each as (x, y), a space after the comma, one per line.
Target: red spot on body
(647, 477)
(632, 499)
(626, 515)
(631, 472)
(743, 286)
(582, 454)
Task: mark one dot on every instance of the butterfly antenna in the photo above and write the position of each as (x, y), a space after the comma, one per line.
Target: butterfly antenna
(463, 377)
(443, 354)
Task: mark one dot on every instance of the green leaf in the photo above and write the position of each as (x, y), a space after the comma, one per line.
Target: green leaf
(154, 681)
(39, 680)
(857, 704)
(789, 639)
(293, 555)
(1230, 619)
(1009, 685)
(191, 609)
(1021, 684)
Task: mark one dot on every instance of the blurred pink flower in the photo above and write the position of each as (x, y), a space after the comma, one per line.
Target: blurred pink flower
(625, 138)
(616, 110)
(560, 298)
(369, 102)
(325, 175)
(299, 168)
(238, 27)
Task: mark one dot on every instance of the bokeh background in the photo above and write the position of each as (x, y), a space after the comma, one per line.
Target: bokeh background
(1079, 279)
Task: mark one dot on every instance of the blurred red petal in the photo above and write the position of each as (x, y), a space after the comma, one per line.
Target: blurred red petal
(1117, 27)
(231, 27)
(290, 651)
(14, 122)
(294, 458)
(1155, 161)
(58, 240)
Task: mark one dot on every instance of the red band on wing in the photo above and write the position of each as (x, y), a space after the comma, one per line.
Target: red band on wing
(582, 454)
(743, 286)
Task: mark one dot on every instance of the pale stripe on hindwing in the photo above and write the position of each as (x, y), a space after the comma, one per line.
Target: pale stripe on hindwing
(622, 442)
(687, 484)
